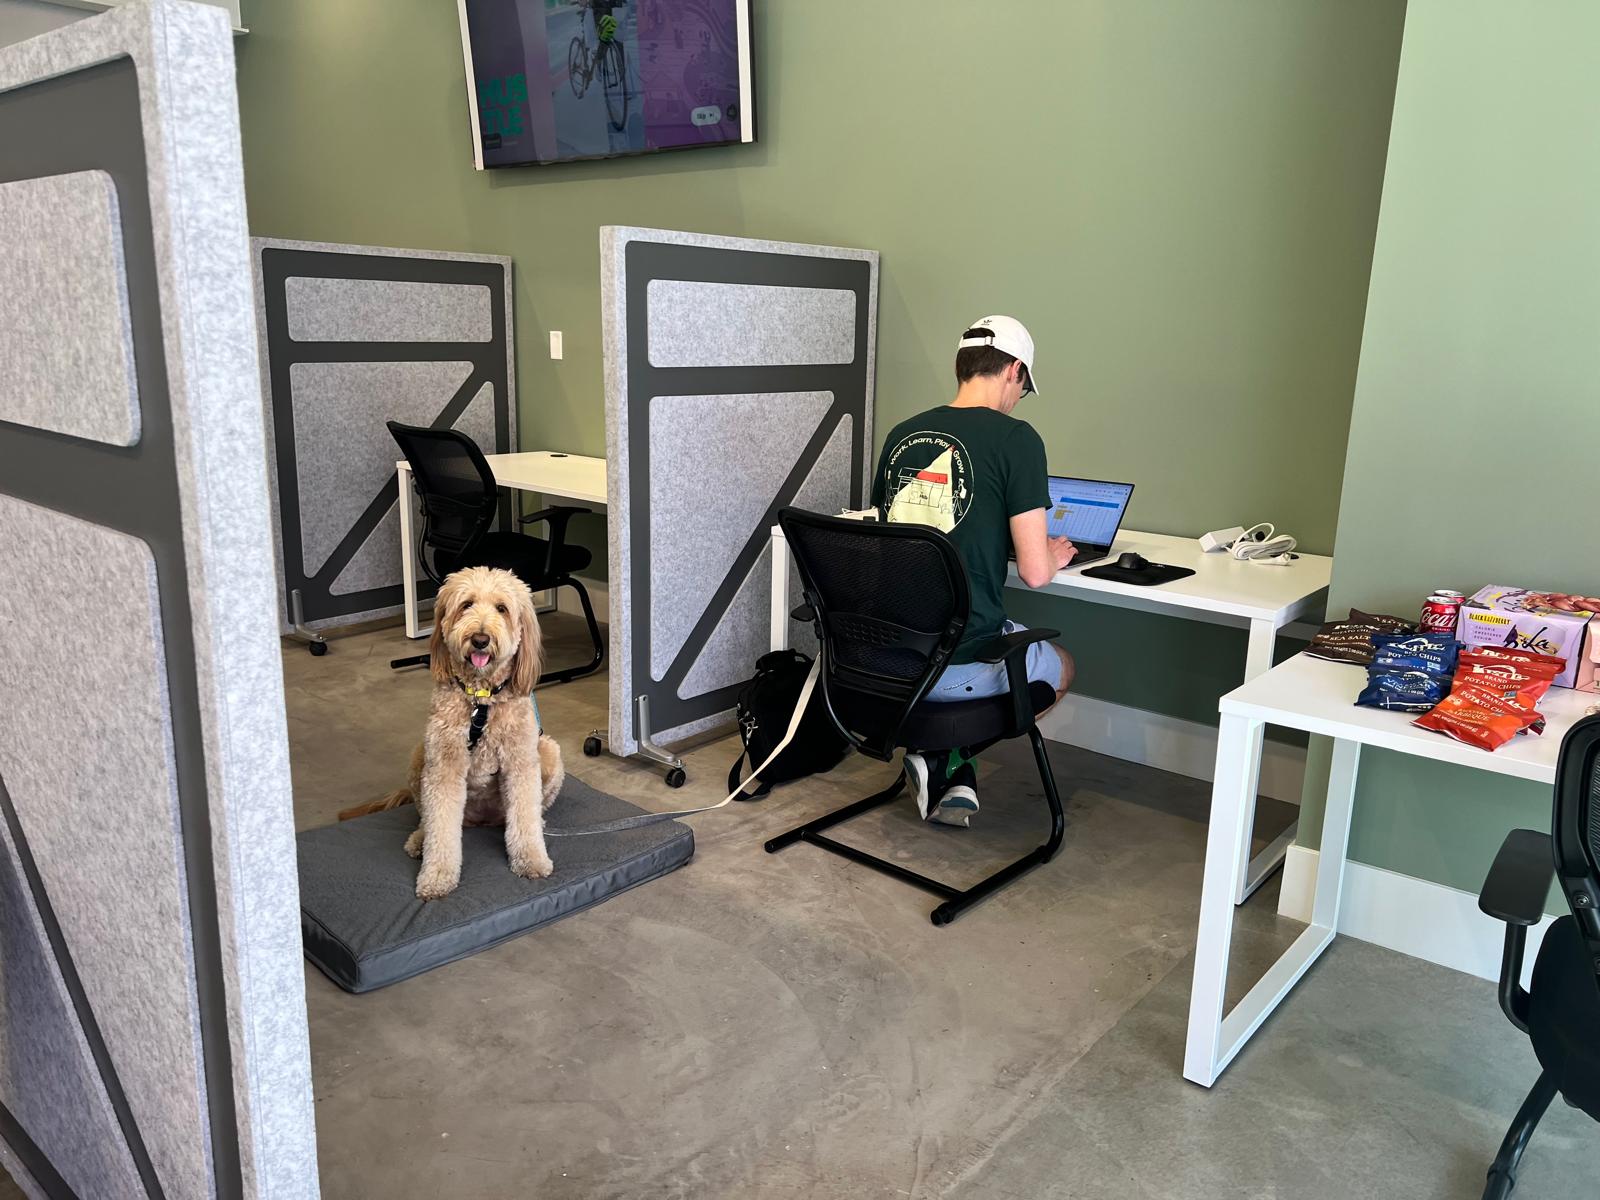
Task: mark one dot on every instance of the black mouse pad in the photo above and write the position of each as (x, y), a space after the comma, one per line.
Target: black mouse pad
(1151, 575)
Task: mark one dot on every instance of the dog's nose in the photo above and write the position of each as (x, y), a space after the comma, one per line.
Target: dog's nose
(480, 640)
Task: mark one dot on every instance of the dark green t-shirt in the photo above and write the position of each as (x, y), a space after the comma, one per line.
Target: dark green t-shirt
(966, 471)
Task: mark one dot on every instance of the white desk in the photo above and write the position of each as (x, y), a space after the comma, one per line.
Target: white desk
(1318, 697)
(1222, 591)
(547, 472)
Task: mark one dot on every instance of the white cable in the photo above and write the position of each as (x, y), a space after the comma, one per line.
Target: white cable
(1264, 544)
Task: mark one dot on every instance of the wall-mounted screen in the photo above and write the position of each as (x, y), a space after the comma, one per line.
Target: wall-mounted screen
(557, 80)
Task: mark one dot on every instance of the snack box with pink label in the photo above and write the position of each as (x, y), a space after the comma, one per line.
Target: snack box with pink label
(1589, 660)
(1546, 622)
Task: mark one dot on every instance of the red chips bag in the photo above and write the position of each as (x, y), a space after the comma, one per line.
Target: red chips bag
(1480, 717)
(1517, 654)
(1524, 683)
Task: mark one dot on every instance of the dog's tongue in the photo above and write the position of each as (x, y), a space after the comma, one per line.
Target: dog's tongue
(480, 659)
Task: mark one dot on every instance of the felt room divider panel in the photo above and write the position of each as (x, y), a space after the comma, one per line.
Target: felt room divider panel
(153, 1023)
(739, 378)
(351, 337)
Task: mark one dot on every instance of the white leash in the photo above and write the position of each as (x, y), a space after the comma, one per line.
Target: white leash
(755, 776)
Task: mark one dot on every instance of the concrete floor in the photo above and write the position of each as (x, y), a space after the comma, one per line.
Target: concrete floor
(792, 1025)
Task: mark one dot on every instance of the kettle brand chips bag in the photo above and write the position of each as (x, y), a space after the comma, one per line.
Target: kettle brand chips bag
(1480, 718)
(1403, 691)
(1434, 652)
(1350, 640)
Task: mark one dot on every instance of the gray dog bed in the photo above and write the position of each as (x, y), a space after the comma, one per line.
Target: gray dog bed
(364, 927)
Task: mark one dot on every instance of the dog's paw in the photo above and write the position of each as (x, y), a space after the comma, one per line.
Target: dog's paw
(414, 844)
(434, 883)
(534, 865)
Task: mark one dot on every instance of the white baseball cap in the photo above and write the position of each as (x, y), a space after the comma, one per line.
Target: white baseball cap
(1008, 335)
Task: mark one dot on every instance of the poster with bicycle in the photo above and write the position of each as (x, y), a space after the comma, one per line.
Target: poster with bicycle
(566, 79)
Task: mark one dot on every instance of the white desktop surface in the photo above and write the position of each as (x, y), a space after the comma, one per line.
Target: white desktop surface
(1220, 585)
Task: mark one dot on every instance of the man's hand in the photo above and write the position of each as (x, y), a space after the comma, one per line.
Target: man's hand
(1063, 552)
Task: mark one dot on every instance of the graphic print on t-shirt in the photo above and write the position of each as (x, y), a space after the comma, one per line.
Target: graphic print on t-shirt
(929, 478)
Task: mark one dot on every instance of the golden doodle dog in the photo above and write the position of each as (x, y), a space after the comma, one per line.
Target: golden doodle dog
(482, 760)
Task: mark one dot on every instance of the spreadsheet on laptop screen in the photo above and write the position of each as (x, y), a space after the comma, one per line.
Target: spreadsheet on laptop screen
(1085, 510)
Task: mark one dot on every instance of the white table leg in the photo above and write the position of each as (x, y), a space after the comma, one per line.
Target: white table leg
(408, 561)
(1233, 800)
(780, 590)
(1214, 1042)
(1258, 869)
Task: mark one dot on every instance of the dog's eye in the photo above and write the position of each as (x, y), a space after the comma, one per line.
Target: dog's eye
(464, 607)
(500, 608)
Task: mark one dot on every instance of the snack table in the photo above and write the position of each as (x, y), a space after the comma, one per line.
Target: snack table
(1260, 597)
(1319, 697)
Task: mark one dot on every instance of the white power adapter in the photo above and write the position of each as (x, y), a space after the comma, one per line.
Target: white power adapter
(1221, 539)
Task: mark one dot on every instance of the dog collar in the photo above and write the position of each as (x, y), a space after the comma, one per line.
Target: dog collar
(481, 698)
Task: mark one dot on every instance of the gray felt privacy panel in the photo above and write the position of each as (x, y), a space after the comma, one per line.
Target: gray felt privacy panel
(153, 1040)
(64, 332)
(738, 381)
(351, 337)
(698, 324)
(365, 928)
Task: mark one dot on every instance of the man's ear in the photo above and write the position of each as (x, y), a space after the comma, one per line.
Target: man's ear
(530, 644)
(444, 605)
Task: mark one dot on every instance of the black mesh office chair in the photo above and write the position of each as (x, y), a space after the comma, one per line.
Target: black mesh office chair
(459, 502)
(889, 603)
(1562, 1014)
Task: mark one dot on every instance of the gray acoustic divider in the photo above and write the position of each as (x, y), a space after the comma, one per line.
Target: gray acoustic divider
(739, 380)
(152, 1005)
(351, 337)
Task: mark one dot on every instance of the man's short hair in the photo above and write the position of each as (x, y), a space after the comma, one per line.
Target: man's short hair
(973, 361)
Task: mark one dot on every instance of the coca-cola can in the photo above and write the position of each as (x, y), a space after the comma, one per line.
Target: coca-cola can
(1441, 613)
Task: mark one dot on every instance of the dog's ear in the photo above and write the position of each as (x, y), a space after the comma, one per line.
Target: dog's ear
(530, 643)
(444, 605)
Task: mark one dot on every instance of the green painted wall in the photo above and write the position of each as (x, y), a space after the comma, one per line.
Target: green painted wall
(1178, 197)
(1481, 353)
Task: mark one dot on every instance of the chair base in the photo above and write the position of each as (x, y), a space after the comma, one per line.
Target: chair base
(956, 900)
(566, 674)
(1503, 1171)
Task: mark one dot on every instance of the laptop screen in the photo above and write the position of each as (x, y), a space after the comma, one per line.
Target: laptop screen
(1087, 511)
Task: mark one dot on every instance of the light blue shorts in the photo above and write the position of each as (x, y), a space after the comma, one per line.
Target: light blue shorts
(974, 681)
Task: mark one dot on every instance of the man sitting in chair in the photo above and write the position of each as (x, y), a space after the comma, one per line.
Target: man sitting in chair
(972, 470)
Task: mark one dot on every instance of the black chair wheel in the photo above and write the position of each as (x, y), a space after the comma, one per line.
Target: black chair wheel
(676, 777)
(318, 649)
(591, 747)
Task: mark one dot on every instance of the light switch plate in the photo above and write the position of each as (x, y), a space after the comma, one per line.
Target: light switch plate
(555, 343)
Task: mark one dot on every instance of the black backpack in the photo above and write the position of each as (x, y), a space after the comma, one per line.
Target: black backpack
(766, 706)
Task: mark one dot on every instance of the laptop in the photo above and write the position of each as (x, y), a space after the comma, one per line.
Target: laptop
(1088, 512)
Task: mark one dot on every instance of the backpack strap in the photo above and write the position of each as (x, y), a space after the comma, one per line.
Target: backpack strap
(739, 789)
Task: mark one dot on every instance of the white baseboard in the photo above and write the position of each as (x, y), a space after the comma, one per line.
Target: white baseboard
(1168, 743)
(1426, 920)
(599, 596)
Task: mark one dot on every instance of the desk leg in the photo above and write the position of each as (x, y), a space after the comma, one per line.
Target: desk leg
(1257, 870)
(408, 561)
(780, 591)
(1213, 1039)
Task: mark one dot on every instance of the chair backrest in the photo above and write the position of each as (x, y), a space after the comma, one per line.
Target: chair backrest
(1575, 829)
(459, 498)
(890, 603)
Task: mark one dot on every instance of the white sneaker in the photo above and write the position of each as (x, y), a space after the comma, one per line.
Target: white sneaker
(916, 768)
(956, 807)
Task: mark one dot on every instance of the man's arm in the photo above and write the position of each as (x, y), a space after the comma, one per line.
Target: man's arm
(1039, 556)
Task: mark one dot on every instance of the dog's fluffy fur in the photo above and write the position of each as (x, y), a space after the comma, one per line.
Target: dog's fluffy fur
(485, 633)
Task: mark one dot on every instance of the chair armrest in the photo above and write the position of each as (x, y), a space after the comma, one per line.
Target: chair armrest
(1518, 883)
(558, 516)
(803, 613)
(999, 649)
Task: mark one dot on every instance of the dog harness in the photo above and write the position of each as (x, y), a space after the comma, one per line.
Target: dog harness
(481, 699)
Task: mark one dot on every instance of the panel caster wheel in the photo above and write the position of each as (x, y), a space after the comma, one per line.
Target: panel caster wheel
(676, 777)
(591, 747)
(318, 649)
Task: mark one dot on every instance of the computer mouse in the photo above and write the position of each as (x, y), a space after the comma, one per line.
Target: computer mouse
(1132, 561)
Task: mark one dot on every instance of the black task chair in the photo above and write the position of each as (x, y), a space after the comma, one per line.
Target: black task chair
(459, 503)
(889, 603)
(1562, 1013)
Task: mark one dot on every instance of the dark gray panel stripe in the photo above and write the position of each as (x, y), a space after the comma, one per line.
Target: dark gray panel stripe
(647, 261)
(489, 365)
(40, 1167)
(62, 954)
(90, 120)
